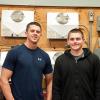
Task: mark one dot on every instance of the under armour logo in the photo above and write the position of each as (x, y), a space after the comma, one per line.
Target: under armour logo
(39, 59)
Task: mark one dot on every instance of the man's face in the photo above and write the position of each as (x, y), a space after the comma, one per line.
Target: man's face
(75, 41)
(33, 33)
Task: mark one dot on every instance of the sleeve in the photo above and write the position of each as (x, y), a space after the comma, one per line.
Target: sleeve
(57, 83)
(10, 60)
(48, 66)
(97, 78)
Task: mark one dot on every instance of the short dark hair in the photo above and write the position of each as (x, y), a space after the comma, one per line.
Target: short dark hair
(76, 30)
(32, 23)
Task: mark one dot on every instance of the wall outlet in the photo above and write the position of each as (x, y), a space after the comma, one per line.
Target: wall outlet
(91, 16)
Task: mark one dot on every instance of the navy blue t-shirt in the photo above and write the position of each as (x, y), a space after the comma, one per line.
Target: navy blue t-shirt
(28, 67)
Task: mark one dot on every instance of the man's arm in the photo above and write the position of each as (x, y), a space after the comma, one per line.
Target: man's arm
(4, 82)
(48, 78)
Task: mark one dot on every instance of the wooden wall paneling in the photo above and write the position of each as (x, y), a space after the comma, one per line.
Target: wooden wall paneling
(41, 17)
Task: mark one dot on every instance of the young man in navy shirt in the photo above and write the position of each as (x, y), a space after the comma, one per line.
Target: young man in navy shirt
(25, 65)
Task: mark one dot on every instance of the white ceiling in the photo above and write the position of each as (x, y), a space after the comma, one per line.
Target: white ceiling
(71, 3)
